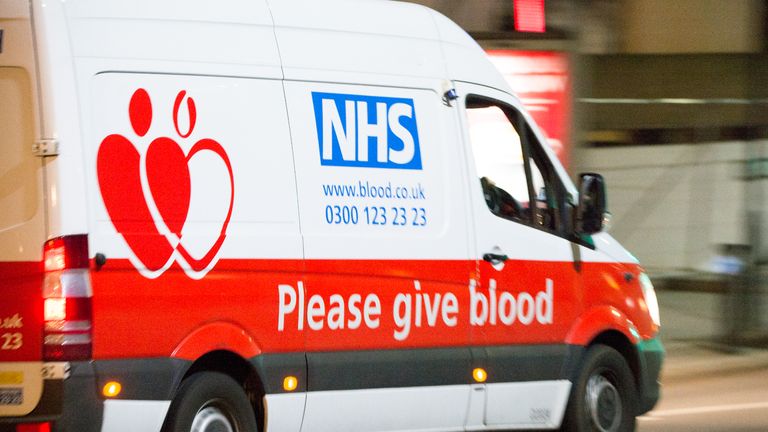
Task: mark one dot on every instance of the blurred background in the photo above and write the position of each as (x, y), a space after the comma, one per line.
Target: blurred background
(668, 99)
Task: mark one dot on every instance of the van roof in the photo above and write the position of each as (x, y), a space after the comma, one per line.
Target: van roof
(354, 41)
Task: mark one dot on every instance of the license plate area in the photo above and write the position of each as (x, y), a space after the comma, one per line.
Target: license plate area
(21, 387)
(11, 396)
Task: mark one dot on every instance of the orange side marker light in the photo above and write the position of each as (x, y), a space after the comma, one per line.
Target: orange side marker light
(290, 383)
(112, 389)
(480, 375)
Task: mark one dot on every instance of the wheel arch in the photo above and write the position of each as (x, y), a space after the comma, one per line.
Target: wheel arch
(608, 326)
(236, 367)
(216, 336)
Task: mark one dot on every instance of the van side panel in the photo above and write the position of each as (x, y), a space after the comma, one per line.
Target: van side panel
(136, 309)
(194, 209)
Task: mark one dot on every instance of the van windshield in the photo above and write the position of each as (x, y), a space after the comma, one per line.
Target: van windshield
(18, 179)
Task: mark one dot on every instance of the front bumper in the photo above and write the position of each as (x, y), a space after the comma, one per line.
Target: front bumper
(651, 356)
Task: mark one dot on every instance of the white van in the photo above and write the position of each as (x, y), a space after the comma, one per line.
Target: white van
(296, 216)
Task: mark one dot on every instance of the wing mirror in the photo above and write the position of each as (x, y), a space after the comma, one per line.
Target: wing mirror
(592, 210)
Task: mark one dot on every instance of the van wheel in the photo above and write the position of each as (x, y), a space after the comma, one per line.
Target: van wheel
(603, 398)
(210, 402)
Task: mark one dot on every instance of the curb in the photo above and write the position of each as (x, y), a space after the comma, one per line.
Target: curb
(686, 362)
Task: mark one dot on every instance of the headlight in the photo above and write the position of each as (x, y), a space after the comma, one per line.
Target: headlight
(650, 298)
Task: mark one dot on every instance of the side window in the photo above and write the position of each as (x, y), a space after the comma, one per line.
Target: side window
(517, 180)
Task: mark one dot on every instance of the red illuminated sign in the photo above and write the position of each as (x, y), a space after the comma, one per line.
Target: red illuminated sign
(529, 16)
(542, 81)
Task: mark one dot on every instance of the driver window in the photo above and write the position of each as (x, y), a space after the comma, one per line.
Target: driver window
(504, 151)
(499, 161)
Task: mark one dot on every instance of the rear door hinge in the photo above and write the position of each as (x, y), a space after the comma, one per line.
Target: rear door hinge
(45, 147)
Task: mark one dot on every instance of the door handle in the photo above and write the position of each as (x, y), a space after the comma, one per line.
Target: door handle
(494, 258)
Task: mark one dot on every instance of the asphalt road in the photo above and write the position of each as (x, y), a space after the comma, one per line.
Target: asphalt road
(732, 402)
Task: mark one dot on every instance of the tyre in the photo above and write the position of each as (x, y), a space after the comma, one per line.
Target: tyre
(210, 402)
(604, 397)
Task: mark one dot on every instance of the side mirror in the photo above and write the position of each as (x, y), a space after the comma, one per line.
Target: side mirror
(592, 204)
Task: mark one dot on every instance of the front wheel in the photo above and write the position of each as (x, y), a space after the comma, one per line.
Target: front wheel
(210, 402)
(603, 399)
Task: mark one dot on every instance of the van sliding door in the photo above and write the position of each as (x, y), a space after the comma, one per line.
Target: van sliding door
(386, 247)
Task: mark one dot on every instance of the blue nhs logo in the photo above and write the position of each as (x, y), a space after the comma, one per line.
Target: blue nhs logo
(366, 131)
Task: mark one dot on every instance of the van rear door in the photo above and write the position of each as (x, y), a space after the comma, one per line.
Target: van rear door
(22, 228)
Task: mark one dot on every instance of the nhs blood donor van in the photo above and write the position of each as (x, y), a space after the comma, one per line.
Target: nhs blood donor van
(296, 216)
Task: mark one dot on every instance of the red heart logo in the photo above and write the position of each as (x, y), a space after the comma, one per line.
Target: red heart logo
(118, 165)
(169, 182)
(212, 146)
(168, 177)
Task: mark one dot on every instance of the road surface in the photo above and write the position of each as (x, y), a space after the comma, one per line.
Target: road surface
(731, 402)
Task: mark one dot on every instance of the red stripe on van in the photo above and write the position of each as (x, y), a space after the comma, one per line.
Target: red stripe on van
(139, 317)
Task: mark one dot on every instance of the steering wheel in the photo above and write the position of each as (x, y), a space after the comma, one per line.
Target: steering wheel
(500, 201)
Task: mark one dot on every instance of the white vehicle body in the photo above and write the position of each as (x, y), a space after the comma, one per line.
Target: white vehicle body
(289, 192)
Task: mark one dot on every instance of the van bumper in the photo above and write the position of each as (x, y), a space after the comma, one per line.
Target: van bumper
(83, 408)
(75, 404)
(48, 407)
(651, 356)
(82, 412)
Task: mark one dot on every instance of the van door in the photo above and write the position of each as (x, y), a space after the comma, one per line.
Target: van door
(22, 226)
(380, 178)
(527, 293)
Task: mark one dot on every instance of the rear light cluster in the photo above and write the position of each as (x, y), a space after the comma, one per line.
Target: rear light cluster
(67, 299)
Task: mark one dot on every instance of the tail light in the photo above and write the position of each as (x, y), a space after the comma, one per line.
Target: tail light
(67, 299)
(33, 427)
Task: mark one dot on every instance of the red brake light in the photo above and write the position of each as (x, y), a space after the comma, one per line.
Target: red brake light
(68, 252)
(67, 299)
(33, 427)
